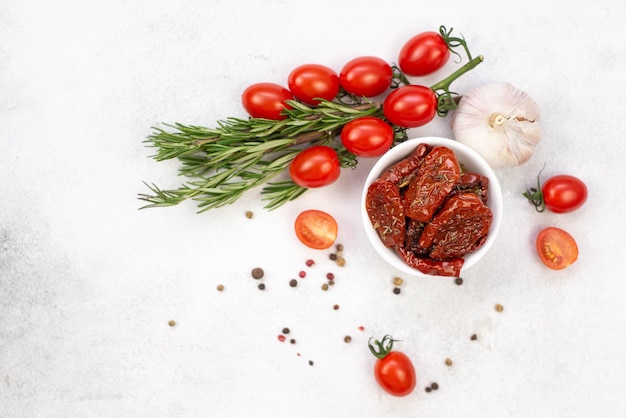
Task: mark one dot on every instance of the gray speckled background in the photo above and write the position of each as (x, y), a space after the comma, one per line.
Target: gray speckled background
(88, 283)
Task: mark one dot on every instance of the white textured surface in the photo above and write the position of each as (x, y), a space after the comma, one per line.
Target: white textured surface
(88, 283)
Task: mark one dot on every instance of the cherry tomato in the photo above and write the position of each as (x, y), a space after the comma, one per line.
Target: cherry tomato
(366, 76)
(556, 248)
(560, 194)
(315, 166)
(316, 229)
(266, 100)
(410, 106)
(310, 82)
(367, 136)
(564, 193)
(393, 370)
(423, 54)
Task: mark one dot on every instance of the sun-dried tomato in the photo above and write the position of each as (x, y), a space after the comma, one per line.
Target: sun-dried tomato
(384, 208)
(433, 182)
(412, 238)
(459, 228)
(402, 172)
(451, 267)
(474, 183)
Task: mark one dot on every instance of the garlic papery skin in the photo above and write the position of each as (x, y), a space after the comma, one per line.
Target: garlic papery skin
(498, 121)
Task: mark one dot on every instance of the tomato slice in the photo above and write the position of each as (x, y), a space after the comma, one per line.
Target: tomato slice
(316, 229)
(556, 248)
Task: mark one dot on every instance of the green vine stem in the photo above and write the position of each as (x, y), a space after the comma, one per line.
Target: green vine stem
(446, 99)
(454, 42)
(380, 349)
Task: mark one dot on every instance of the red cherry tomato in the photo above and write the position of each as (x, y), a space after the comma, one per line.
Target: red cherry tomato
(366, 76)
(316, 229)
(316, 166)
(393, 370)
(266, 100)
(310, 82)
(564, 193)
(557, 249)
(410, 106)
(423, 54)
(560, 194)
(367, 136)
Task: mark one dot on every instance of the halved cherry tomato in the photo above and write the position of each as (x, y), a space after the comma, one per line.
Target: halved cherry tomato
(315, 166)
(410, 106)
(367, 136)
(310, 82)
(556, 248)
(423, 54)
(366, 76)
(316, 229)
(393, 370)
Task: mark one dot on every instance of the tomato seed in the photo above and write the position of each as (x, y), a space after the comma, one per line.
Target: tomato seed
(458, 281)
(171, 323)
(396, 290)
(347, 338)
(302, 274)
(257, 273)
(293, 282)
(499, 307)
(310, 262)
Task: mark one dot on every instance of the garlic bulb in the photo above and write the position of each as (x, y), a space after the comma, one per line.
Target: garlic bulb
(498, 121)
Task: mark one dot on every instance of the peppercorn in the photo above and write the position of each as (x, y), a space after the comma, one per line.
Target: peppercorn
(293, 282)
(171, 323)
(285, 330)
(458, 281)
(292, 341)
(499, 307)
(302, 274)
(310, 262)
(398, 281)
(396, 290)
(333, 256)
(448, 362)
(474, 337)
(335, 307)
(261, 286)
(220, 287)
(434, 386)
(325, 286)
(339, 247)
(428, 389)
(310, 362)
(249, 214)
(347, 338)
(341, 261)
(257, 273)
(331, 282)
(330, 276)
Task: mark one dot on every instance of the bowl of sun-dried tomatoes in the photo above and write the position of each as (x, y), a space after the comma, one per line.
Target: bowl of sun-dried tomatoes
(431, 206)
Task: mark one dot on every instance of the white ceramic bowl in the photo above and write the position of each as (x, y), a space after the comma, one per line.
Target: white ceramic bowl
(466, 156)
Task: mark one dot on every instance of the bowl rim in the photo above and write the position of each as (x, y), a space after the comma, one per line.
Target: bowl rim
(471, 160)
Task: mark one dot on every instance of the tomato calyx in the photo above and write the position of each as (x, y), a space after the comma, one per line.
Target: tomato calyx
(535, 195)
(454, 42)
(380, 349)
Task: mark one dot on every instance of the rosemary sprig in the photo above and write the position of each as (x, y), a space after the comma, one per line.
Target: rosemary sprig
(224, 162)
